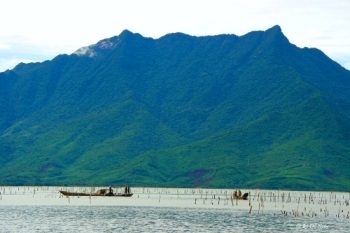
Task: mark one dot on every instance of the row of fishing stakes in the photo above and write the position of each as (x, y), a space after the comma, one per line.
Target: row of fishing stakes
(308, 200)
(262, 197)
(288, 203)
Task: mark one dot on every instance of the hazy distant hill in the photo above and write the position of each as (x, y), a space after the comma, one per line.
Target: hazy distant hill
(253, 111)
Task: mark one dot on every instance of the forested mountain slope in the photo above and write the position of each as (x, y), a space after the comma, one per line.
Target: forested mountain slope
(251, 111)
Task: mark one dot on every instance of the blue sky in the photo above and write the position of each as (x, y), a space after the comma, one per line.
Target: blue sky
(39, 30)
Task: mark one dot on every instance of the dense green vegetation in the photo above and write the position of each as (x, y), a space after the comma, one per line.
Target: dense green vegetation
(216, 111)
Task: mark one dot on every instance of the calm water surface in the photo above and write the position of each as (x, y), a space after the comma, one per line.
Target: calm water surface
(156, 219)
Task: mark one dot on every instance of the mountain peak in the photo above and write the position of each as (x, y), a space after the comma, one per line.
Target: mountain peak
(275, 34)
(275, 29)
(102, 45)
(105, 44)
(126, 35)
(125, 32)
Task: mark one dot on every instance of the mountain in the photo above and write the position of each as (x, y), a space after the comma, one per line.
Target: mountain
(251, 111)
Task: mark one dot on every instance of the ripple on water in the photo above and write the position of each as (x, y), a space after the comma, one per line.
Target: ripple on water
(156, 219)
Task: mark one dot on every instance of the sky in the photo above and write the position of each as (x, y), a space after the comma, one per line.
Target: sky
(39, 30)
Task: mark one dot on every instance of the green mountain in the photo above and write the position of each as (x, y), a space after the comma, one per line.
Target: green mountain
(251, 111)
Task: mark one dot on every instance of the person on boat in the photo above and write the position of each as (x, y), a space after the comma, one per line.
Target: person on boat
(235, 195)
(127, 190)
(110, 191)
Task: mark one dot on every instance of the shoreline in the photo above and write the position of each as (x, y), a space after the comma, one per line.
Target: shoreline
(285, 202)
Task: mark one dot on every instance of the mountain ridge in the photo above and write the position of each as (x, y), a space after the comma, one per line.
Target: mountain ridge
(214, 111)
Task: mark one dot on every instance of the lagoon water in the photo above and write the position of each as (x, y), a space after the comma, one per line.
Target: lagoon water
(154, 219)
(167, 210)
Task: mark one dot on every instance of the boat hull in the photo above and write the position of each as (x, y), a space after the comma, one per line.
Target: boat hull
(76, 194)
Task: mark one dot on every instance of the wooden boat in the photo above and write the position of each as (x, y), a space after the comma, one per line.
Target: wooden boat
(99, 193)
(238, 195)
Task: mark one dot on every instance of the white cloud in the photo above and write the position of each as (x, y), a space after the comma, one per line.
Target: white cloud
(346, 64)
(48, 28)
(8, 64)
(17, 49)
(4, 46)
